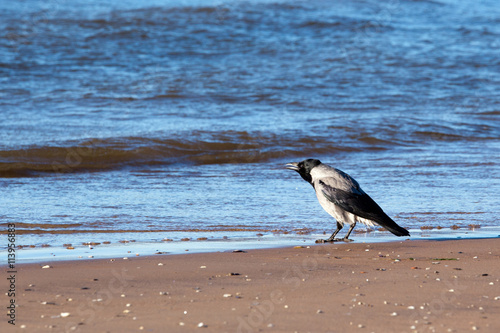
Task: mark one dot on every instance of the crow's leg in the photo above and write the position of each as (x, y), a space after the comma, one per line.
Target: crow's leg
(346, 238)
(332, 237)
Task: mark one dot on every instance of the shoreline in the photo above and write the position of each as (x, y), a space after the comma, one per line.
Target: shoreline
(409, 286)
(103, 249)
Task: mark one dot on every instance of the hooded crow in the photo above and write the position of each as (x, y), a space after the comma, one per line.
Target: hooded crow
(342, 197)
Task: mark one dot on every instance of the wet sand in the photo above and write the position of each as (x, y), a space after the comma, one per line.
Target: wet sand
(408, 286)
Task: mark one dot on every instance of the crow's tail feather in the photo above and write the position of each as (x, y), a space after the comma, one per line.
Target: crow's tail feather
(397, 230)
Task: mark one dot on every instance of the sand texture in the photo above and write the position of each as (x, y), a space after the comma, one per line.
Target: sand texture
(408, 286)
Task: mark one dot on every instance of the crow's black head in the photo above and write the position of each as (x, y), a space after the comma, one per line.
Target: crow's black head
(304, 168)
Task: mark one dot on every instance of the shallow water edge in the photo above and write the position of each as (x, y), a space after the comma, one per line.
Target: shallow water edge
(216, 243)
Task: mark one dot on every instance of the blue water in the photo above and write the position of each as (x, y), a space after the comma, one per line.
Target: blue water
(145, 120)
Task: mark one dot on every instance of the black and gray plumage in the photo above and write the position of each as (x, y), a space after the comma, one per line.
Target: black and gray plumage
(342, 197)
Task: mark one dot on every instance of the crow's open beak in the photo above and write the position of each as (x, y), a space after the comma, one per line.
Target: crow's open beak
(292, 166)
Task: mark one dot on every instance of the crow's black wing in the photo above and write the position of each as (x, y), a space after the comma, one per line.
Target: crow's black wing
(361, 204)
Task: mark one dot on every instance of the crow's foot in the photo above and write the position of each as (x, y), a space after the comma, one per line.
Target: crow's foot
(345, 239)
(325, 240)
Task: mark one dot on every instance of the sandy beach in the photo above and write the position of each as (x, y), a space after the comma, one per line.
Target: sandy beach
(407, 286)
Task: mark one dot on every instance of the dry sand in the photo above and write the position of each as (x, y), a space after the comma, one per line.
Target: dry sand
(409, 286)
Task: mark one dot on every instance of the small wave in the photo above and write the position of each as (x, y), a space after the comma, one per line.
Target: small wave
(439, 136)
(429, 2)
(55, 231)
(168, 95)
(205, 147)
(320, 24)
(488, 113)
(366, 26)
(112, 153)
(459, 132)
(31, 226)
(444, 213)
(375, 141)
